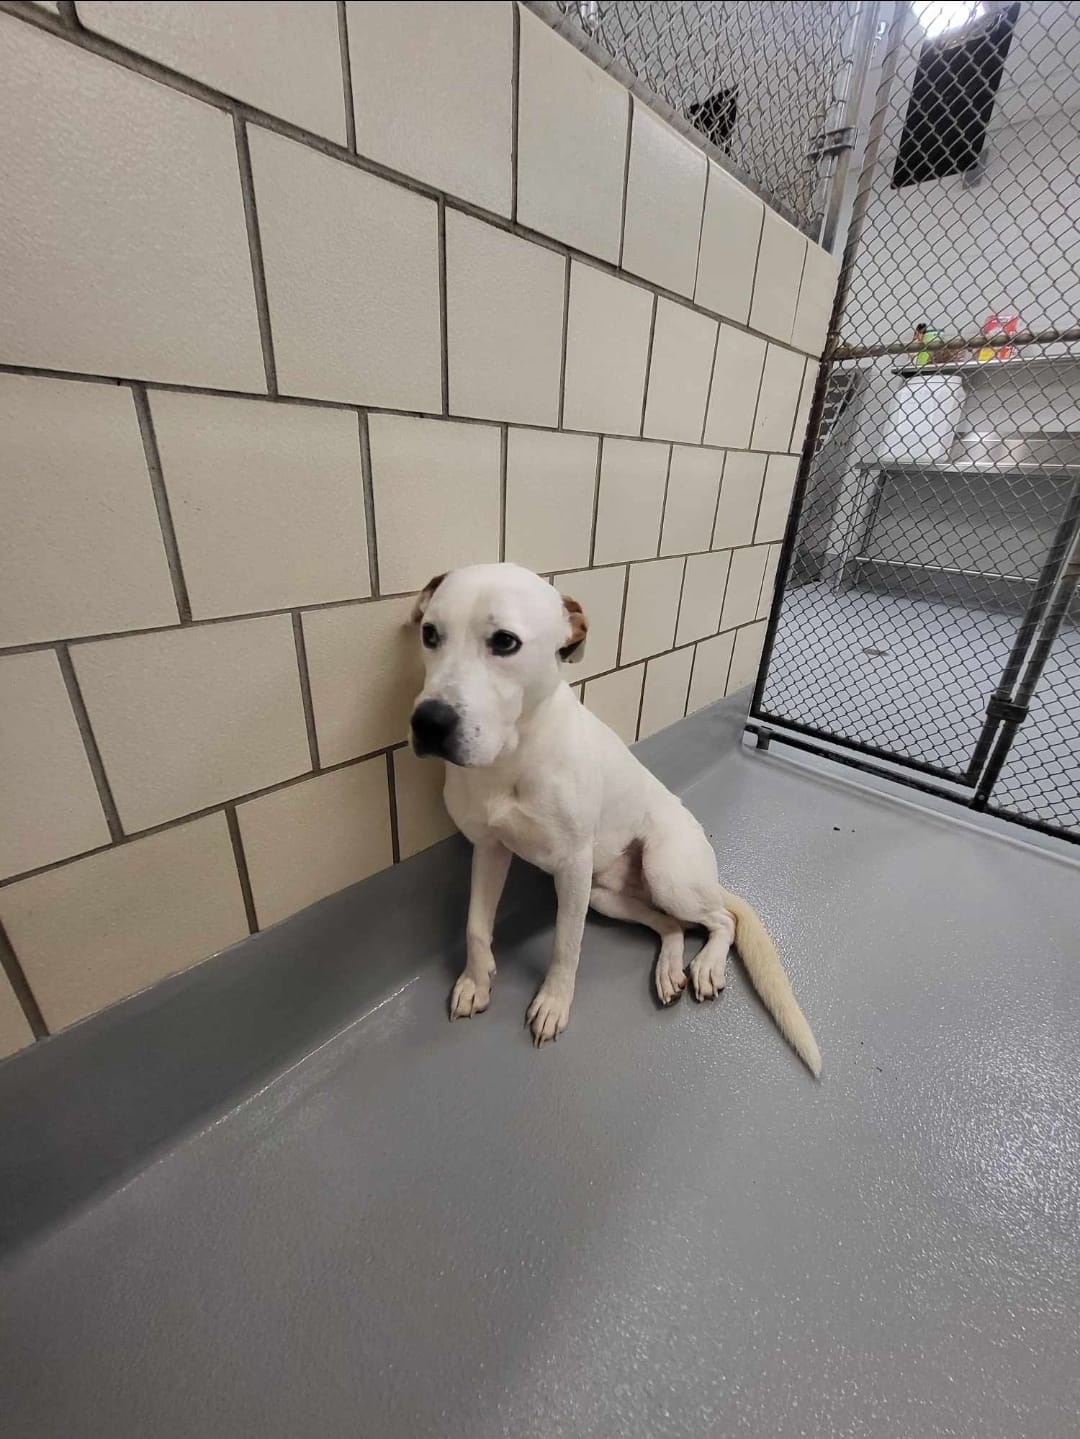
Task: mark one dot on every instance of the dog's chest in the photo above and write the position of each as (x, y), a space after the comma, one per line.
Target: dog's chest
(527, 822)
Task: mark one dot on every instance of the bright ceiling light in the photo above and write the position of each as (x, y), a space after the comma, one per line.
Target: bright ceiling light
(937, 17)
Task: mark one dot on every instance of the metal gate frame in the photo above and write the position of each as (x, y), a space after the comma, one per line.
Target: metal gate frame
(1059, 579)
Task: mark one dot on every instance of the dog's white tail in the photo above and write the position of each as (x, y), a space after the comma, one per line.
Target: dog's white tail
(758, 954)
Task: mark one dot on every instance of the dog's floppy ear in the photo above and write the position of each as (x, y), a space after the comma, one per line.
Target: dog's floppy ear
(577, 627)
(423, 599)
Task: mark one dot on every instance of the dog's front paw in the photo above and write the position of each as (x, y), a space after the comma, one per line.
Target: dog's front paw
(549, 1014)
(469, 997)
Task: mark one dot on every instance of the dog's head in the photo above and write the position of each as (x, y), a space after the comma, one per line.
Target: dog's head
(493, 639)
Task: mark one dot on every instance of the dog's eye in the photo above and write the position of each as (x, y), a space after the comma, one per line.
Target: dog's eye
(502, 642)
(430, 637)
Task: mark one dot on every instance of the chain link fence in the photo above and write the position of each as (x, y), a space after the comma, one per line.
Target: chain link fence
(759, 80)
(928, 614)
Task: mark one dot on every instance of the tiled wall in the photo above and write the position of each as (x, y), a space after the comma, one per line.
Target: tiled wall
(301, 304)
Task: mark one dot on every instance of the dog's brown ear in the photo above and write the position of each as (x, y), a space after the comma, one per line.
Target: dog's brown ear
(577, 627)
(423, 599)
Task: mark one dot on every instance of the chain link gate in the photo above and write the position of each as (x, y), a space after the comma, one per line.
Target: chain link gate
(926, 624)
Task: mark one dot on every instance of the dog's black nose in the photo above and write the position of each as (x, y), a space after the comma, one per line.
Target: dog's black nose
(434, 724)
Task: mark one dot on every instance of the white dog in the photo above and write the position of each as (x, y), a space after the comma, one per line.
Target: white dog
(532, 772)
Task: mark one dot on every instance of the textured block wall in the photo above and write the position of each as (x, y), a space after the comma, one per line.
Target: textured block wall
(299, 305)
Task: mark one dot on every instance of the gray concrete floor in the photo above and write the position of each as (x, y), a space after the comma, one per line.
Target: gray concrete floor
(660, 1226)
(913, 676)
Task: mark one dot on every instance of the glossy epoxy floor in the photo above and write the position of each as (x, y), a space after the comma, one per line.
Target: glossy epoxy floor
(660, 1226)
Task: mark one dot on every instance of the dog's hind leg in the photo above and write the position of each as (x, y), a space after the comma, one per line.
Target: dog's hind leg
(670, 978)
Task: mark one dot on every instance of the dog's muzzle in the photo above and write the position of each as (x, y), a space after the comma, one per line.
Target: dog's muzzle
(435, 728)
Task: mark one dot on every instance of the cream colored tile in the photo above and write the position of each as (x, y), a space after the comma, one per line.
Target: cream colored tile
(730, 233)
(616, 699)
(80, 544)
(816, 293)
(667, 678)
(802, 413)
(267, 501)
(432, 93)
(572, 121)
(665, 192)
(352, 279)
(607, 350)
(747, 656)
(652, 606)
(703, 595)
(744, 586)
(365, 670)
(779, 271)
(600, 594)
(740, 496)
(284, 57)
(682, 356)
(633, 475)
(708, 683)
(776, 497)
(187, 718)
(103, 927)
(49, 806)
(436, 491)
(418, 794)
(124, 245)
(311, 839)
(768, 583)
(690, 507)
(504, 323)
(550, 488)
(781, 383)
(736, 379)
(15, 1031)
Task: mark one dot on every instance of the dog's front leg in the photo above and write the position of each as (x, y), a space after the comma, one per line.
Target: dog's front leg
(549, 1012)
(472, 992)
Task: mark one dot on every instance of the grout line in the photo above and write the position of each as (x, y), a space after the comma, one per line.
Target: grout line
(391, 791)
(622, 620)
(641, 701)
(663, 507)
(690, 681)
(682, 590)
(515, 100)
(16, 977)
(504, 445)
(596, 502)
(305, 690)
(648, 366)
(757, 258)
(93, 754)
(182, 819)
(368, 483)
(708, 392)
(161, 502)
(757, 397)
(175, 80)
(626, 176)
(565, 346)
(68, 13)
(258, 270)
(242, 868)
(444, 327)
(31, 647)
(757, 511)
(716, 506)
(701, 228)
(346, 76)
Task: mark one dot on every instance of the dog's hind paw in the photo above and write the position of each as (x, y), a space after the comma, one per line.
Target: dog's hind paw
(548, 1015)
(468, 997)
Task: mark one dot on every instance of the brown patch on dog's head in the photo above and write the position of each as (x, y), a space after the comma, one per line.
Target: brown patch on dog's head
(423, 599)
(573, 649)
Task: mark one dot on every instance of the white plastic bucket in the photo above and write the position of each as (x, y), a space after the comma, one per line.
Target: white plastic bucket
(922, 425)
